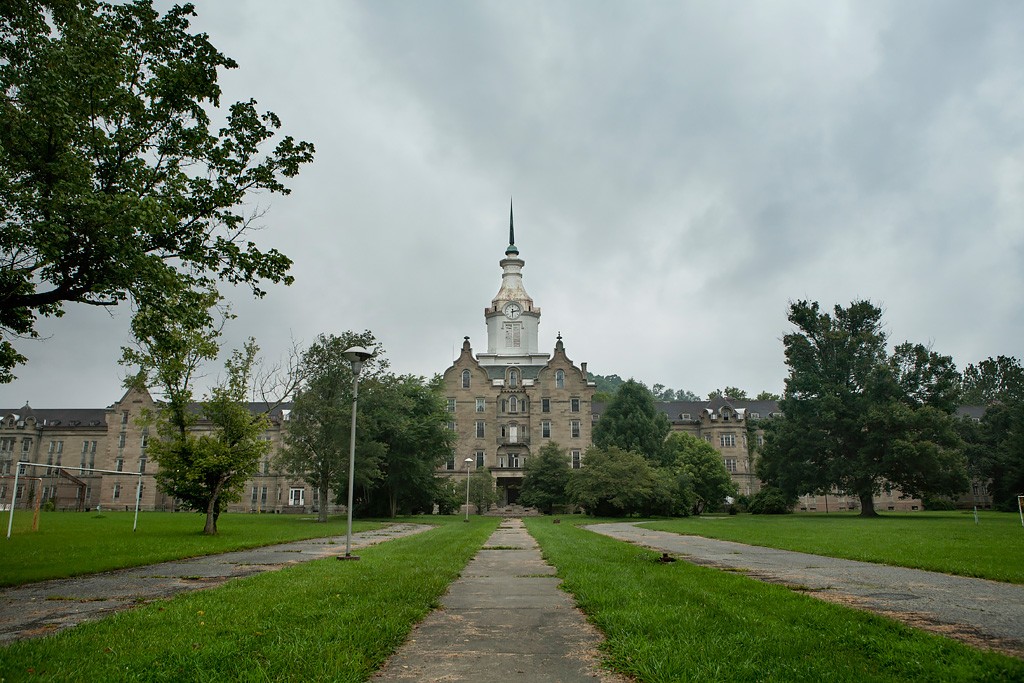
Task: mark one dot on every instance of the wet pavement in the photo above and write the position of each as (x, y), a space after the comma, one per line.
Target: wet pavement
(504, 619)
(980, 612)
(45, 607)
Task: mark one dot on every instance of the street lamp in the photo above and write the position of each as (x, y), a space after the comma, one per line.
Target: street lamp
(356, 355)
(468, 462)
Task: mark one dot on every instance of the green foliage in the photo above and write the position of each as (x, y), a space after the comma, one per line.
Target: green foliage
(448, 495)
(206, 471)
(857, 419)
(996, 446)
(632, 422)
(617, 483)
(546, 478)
(728, 392)
(481, 490)
(704, 469)
(113, 185)
(407, 418)
(771, 501)
(608, 386)
(317, 438)
(681, 622)
(354, 616)
(768, 396)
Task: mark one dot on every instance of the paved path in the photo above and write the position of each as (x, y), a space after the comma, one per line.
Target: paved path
(505, 619)
(981, 612)
(41, 608)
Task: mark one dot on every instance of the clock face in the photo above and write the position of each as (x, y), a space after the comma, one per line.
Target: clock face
(512, 310)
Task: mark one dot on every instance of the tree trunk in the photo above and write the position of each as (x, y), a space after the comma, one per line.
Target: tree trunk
(867, 505)
(211, 509)
(324, 492)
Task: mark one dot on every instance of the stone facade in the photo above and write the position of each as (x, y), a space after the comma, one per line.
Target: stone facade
(510, 401)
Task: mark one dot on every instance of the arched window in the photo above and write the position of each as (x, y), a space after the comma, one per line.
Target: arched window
(559, 379)
(513, 378)
(465, 379)
(513, 405)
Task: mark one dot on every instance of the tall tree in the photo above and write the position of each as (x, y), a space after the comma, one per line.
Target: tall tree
(546, 477)
(113, 185)
(632, 422)
(996, 445)
(728, 392)
(407, 416)
(481, 490)
(206, 471)
(856, 418)
(317, 439)
(768, 396)
(704, 468)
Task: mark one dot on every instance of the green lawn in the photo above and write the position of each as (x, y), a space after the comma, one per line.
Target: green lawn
(317, 621)
(74, 543)
(948, 542)
(680, 622)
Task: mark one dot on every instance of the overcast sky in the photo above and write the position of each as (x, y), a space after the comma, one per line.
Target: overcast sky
(681, 171)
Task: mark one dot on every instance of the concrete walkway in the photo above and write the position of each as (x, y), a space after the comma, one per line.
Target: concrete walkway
(42, 608)
(505, 619)
(980, 612)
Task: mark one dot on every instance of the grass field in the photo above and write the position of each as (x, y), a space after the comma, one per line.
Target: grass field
(948, 542)
(680, 622)
(320, 621)
(71, 544)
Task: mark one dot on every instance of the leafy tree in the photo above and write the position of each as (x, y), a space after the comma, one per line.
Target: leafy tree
(113, 186)
(317, 438)
(607, 385)
(616, 483)
(857, 419)
(996, 445)
(771, 501)
(632, 422)
(546, 477)
(448, 495)
(684, 395)
(768, 396)
(206, 471)
(705, 470)
(481, 490)
(407, 417)
(728, 392)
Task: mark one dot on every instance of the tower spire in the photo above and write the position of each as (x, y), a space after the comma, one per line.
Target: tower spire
(511, 231)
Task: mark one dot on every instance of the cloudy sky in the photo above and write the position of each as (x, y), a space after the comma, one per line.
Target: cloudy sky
(680, 172)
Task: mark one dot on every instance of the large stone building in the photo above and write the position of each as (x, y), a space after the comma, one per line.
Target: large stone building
(96, 457)
(507, 403)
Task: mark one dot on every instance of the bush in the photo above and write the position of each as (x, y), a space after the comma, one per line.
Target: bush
(771, 501)
(938, 503)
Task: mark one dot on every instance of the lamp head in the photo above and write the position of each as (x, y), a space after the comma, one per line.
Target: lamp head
(357, 355)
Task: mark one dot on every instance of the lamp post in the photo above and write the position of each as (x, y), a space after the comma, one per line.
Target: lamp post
(468, 462)
(356, 355)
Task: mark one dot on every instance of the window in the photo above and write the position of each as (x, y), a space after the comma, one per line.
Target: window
(117, 491)
(479, 429)
(513, 405)
(501, 461)
(142, 464)
(574, 405)
(119, 464)
(120, 440)
(296, 497)
(755, 416)
(513, 378)
(450, 463)
(124, 417)
(479, 459)
(707, 437)
(266, 467)
(560, 379)
(7, 444)
(575, 459)
(451, 405)
(545, 405)
(451, 426)
(574, 429)
(26, 445)
(684, 416)
(760, 439)
(727, 440)
(255, 494)
(545, 429)
(465, 379)
(730, 464)
(480, 405)
(513, 460)
(263, 496)
(144, 441)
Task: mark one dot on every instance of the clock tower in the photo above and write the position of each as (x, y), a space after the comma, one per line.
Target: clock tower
(512, 319)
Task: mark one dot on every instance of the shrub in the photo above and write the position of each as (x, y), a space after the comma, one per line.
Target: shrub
(771, 501)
